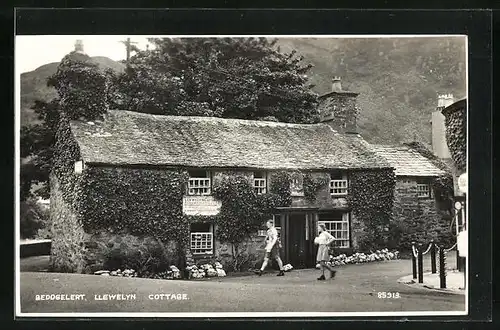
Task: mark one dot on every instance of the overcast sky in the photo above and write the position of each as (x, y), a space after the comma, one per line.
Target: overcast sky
(34, 51)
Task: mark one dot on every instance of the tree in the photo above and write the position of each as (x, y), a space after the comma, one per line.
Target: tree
(82, 93)
(247, 78)
(36, 148)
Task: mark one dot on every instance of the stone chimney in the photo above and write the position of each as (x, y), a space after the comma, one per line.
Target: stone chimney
(79, 47)
(439, 145)
(338, 108)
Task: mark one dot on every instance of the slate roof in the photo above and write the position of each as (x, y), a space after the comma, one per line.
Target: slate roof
(131, 138)
(407, 161)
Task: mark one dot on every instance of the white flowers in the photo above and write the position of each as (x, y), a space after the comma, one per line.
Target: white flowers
(358, 258)
(206, 270)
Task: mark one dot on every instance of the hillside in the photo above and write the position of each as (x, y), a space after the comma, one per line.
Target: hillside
(398, 79)
(34, 85)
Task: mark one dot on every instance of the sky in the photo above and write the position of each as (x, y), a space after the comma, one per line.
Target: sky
(32, 52)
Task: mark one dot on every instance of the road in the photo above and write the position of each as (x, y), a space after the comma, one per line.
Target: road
(355, 289)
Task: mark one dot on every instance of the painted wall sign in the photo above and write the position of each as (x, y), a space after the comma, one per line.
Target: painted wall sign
(200, 205)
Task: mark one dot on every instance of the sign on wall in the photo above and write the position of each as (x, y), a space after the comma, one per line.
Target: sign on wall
(200, 205)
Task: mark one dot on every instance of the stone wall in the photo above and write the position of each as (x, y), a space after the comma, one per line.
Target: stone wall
(250, 253)
(340, 111)
(67, 254)
(416, 219)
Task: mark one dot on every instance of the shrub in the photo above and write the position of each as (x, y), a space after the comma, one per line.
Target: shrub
(124, 251)
(33, 218)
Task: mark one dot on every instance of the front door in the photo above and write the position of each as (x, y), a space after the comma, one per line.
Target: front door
(297, 249)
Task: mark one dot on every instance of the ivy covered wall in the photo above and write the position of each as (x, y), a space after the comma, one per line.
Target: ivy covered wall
(371, 199)
(417, 219)
(456, 133)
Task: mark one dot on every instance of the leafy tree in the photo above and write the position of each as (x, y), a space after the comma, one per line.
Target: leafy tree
(36, 148)
(246, 78)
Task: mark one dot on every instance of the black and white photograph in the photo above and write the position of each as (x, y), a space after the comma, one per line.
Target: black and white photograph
(241, 175)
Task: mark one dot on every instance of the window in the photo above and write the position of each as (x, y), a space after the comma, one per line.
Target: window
(259, 183)
(337, 224)
(423, 190)
(338, 184)
(199, 183)
(202, 238)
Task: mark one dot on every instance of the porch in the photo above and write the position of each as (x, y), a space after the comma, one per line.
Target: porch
(297, 228)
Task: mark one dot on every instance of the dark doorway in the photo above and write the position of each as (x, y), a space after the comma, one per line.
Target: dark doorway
(297, 249)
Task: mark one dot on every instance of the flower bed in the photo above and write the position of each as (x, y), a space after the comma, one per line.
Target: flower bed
(357, 258)
(205, 270)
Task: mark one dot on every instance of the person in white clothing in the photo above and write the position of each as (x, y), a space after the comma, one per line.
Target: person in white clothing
(324, 239)
(273, 246)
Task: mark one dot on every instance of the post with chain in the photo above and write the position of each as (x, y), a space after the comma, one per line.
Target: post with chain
(420, 267)
(413, 260)
(433, 257)
(442, 269)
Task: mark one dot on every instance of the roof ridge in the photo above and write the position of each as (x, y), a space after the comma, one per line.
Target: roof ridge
(218, 119)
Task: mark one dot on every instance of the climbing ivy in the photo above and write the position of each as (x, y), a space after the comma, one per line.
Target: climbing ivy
(371, 198)
(313, 185)
(142, 202)
(456, 134)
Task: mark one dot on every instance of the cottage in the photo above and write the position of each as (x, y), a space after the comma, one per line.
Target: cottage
(333, 177)
(422, 196)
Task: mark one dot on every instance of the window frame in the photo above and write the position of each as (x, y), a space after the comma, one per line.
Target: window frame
(192, 190)
(344, 188)
(428, 191)
(260, 189)
(346, 219)
(209, 249)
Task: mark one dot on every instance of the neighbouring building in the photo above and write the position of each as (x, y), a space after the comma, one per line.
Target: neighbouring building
(439, 145)
(419, 210)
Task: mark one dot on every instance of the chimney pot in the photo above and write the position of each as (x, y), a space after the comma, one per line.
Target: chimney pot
(79, 46)
(336, 84)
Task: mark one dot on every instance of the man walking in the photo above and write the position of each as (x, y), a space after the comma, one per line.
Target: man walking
(272, 249)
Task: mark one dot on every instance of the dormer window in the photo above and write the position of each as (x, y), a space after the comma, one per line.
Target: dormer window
(259, 183)
(338, 183)
(79, 167)
(199, 183)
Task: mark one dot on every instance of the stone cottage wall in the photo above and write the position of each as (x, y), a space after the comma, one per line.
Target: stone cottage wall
(67, 254)
(416, 219)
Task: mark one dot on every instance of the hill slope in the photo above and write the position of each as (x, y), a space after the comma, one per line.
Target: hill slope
(34, 85)
(398, 79)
